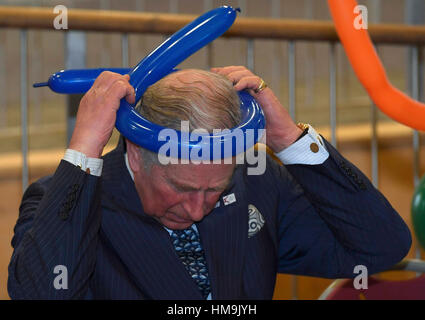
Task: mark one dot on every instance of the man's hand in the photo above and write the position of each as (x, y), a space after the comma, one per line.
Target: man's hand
(281, 129)
(97, 113)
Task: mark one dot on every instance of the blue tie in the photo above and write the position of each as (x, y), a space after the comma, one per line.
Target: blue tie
(188, 247)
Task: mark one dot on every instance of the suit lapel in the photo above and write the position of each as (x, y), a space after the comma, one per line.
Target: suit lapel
(224, 234)
(141, 243)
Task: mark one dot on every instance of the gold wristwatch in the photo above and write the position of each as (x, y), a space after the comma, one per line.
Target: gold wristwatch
(303, 126)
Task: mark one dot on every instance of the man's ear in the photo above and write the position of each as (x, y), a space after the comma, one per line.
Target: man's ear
(134, 157)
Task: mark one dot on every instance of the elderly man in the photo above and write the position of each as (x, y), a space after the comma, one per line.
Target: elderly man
(126, 226)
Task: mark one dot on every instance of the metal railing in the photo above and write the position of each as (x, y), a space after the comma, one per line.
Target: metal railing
(251, 29)
(165, 23)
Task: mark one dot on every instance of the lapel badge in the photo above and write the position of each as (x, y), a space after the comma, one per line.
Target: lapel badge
(255, 220)
(229, 199)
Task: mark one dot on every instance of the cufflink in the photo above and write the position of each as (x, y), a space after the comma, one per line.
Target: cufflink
(81, 161)
(314, 147)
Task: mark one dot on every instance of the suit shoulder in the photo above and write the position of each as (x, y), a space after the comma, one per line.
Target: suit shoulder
(259, 177)
(266, 168)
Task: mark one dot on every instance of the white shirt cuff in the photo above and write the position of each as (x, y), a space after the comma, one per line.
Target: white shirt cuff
(79, 159)
(310, 149)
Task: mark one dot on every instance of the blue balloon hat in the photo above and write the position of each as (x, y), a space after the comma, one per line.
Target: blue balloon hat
(155, 66)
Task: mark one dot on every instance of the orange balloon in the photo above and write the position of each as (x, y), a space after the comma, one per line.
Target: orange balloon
(369, 69)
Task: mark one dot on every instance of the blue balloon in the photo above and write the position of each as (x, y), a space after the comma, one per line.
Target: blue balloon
(155, 66)
(76, 80)
(179, 46)
(200, 146)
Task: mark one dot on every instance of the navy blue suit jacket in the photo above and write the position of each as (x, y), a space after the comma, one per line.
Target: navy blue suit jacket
(320, 220)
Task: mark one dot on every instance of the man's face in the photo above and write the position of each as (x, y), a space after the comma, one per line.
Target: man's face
(178, 195)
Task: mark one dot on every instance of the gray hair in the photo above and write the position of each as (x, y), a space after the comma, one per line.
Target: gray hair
(206, 100)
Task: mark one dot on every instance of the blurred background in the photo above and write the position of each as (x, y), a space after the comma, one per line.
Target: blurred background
(312, 78)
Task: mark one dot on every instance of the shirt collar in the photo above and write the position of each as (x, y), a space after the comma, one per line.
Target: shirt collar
(128, 166)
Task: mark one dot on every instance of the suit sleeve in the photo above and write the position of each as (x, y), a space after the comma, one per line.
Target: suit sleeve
(331, 218)
(55, 236)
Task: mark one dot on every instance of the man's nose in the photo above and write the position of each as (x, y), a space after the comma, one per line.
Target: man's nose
(194, 205)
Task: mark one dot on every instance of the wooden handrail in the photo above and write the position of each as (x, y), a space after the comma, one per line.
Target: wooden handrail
(162, 23)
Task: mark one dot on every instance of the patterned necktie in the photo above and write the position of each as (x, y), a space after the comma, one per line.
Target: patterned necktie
(188, 247)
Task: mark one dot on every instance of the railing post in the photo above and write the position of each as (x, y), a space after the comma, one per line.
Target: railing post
(124, 50)
(374, 146)
(24, 107)
(415, 95)
(276, 75)
(173, 6)
(414, 15)
(250, 63)
(332, 93)
(208, 5)
(291, 106)
(414, 67)
(3, 102)
(243, 6)
(75, 56)
(374, 17)
(374, 143)
(291, 78)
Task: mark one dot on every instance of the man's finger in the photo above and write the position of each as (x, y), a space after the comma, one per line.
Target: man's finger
(236, 76)
(252, 82)
(106, 79)
(131, 97)
(119, 90)
(226, 70)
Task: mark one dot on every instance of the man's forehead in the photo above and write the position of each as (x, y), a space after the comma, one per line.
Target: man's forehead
(196, 175)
